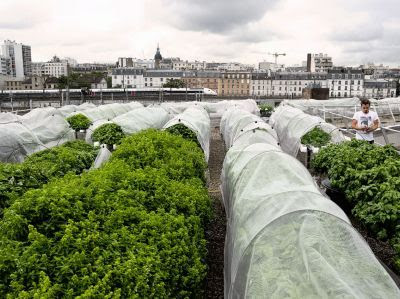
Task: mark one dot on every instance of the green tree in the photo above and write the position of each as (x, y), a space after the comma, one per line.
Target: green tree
(62, 82)
(174, 83)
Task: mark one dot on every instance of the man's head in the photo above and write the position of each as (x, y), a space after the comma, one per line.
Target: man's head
(365, 104)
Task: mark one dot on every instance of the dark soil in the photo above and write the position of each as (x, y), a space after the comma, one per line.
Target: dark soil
(215, 232)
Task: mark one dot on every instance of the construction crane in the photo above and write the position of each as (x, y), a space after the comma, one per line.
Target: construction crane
(277, 55)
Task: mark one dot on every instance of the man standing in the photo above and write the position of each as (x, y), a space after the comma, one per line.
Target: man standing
(365, 122)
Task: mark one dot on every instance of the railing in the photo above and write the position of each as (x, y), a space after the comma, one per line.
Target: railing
(385, 134)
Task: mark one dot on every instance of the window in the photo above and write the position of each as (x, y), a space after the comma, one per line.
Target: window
(340, 82)
(161, 79)
(339, 88)
(115, 77)
(345, 82)
(145, 84)
(339, 94)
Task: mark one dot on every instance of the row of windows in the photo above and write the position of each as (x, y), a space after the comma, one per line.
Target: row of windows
(280, 88)
(234, 92)
(238, 76)
(352, 82)
(237, 86)
(346, 76)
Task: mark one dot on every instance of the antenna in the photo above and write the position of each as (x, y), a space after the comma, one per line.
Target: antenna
(276, 55)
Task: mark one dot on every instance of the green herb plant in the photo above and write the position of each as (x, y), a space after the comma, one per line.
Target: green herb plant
(183, 131)
(316, 137)
(79, 122)
(109, 134)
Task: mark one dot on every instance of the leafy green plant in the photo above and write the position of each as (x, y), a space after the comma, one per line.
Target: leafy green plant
(185, 132)
(316, 137)
(41, 167)
(79, 122)
(108, 134)
(179, 158)
(266, 110)
(132, 229)
(368, 175)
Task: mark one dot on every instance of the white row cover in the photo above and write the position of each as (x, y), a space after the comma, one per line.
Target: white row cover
(217, 109)
(142, 119)
(67, 110)
(285, 239)
(49, 125)
(291, 124)
(105, 114)
(239, 125)
(196, 119)
(132, 122)
(345, 107)
(8, 117)
(46, 127)
(41, 128)
(17, 142)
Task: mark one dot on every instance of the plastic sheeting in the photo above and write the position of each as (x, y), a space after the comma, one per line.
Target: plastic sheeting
(142, 119)
(285, 239)
(237, 124)
(53, 130)
(291, 124)
(124, 108)
(345, 107)
(36, 115)
(17, 142)
(102, 157)
(218, 108)
(108, 112)
(7, 117)
(197, 120)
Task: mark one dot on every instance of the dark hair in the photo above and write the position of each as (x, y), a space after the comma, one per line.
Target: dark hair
(365, 102)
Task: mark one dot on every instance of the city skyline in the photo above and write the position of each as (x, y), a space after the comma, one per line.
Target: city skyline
(351, 32)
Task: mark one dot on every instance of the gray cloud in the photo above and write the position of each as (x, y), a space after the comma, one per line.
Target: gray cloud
(363, 33)
(217, 16)
(251, 34)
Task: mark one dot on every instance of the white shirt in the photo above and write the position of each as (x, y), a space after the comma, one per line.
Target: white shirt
(365, 120)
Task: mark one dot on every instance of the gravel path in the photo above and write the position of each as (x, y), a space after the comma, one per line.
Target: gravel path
(215, 233)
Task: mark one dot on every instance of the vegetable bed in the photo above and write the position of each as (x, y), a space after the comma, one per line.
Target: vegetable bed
(41, 167)
(369, 176)
(133, 228)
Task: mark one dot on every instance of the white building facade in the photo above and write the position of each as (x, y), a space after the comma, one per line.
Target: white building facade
(157, 78)
(285, 85)
(55, 69)
(345, 83)
(127, 78)
(20, 58)
(379, 88)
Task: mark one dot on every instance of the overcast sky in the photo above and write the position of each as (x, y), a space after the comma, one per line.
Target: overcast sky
(351, 31)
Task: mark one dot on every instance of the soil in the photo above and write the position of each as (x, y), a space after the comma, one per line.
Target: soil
(215, 232)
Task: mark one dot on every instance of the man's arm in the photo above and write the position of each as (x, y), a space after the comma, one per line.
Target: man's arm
(374, 126)
(354, 125)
